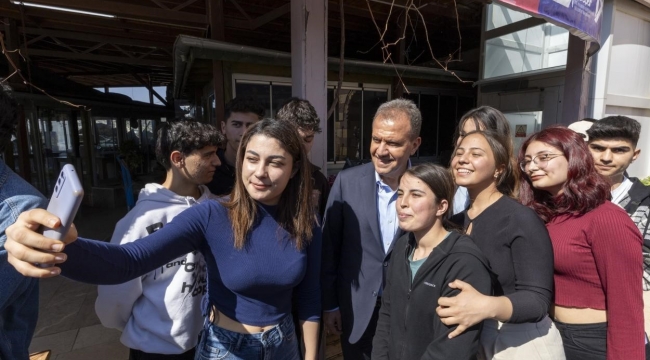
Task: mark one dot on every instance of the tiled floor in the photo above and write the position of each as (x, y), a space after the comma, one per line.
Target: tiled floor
(67, 324)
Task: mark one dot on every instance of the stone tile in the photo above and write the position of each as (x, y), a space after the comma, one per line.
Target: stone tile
(107, 351)
(86, 315)
(67, 293)
(57, 343)
(58, 318)
(95, 335)
(47, 289)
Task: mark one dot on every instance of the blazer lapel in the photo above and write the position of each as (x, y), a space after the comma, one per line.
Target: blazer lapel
(368, 193)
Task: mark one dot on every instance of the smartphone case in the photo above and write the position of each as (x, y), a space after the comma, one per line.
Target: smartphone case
(66, 199)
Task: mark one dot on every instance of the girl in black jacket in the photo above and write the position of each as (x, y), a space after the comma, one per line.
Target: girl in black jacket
(424, 261)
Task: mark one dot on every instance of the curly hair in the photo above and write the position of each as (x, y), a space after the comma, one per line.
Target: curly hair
(8, 117)
(584, 190)
(301, 113)
(184, 136)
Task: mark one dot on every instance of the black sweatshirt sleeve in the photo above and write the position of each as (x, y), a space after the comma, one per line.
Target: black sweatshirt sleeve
(532, 257)
(380, 348)
(464, 346)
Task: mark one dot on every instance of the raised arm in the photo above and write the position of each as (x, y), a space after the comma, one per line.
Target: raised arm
(94, 261)
(102, 263)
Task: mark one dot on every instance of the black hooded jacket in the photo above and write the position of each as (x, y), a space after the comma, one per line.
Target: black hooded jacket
(408, 327)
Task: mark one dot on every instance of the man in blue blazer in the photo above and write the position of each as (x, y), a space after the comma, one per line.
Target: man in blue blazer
(360, 227)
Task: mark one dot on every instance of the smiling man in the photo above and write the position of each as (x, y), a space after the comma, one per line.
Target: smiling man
(361, 225)
(613, 144)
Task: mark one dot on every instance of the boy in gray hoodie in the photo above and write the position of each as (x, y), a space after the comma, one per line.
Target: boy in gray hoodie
(159, 313)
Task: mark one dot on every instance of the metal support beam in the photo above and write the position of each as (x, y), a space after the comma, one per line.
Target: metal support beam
(11, 42)
(309, 65)
(153, 92)
(92, 57)
(73, 35)
(130, 11)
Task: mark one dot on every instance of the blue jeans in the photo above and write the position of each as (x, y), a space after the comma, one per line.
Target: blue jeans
(277, 343)
(18, 311)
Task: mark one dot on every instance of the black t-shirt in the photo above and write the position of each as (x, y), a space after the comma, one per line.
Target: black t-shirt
(518, 247)
(320, 183)
(224, 177)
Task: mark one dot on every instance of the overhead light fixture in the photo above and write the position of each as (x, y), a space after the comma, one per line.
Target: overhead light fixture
(42, 6)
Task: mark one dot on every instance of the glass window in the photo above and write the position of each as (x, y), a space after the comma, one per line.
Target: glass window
(535, 48)
(498, 16)
(139, 93)
(429, 132)
(260, 91)
(279, 94)
(106, 135)
(440, 115)
(371, 102)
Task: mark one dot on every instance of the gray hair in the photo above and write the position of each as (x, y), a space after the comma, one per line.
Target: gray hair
(397, 107)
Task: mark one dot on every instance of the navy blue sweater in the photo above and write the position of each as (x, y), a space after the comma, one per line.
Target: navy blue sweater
(253, 285)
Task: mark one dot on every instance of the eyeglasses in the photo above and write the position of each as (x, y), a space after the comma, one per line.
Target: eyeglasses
(540, 160)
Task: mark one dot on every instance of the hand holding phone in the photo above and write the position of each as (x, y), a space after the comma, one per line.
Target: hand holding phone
(65, 201)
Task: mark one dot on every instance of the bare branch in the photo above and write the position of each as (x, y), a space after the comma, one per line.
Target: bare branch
(25, 81)
(408, 21)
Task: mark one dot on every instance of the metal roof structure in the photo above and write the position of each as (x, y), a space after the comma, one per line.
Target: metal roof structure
(130, 42)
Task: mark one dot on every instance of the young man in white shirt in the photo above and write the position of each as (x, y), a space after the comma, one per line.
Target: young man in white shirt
(613, 144)
(159, 313)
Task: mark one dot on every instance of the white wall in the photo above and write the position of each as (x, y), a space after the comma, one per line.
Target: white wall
(622, 72)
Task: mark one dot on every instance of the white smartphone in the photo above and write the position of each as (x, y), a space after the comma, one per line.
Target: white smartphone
(66, 199)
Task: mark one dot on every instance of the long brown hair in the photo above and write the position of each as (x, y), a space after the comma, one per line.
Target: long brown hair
(295, 212)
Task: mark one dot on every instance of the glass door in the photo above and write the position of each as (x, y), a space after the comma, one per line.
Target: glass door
(522, 125)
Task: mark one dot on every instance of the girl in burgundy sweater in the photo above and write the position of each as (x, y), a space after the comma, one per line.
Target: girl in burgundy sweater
(598, 306)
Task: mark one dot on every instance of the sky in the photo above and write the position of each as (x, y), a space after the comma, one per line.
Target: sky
(139, 93)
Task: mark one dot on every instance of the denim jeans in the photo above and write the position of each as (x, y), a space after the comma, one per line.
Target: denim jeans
(277, 343)
(18, 294)
(18, 311)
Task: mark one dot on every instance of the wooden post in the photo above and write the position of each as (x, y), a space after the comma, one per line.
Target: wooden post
(576, 83)
(309, 65)
(217, 32)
